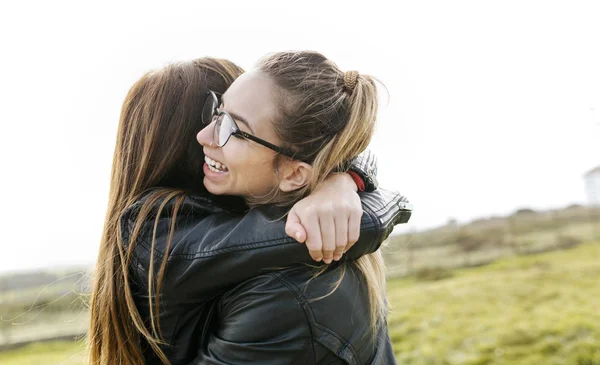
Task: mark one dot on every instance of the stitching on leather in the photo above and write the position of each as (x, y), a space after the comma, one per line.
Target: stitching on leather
(143, 240)
(312, 319)
(306, 343)
(375, 223)
(305, 308)
(341, 339)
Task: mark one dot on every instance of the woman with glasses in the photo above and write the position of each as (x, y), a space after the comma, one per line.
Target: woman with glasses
(274, 137)
(170, 249)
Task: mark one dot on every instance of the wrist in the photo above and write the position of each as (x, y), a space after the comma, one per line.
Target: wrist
(343, 181)
(358, 181)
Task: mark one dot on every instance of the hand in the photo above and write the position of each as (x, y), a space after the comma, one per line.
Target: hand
(328, 220)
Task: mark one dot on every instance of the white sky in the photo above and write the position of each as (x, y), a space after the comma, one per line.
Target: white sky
(491, 102)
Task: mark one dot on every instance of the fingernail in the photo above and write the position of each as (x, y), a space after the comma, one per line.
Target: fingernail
(319, 259)
(297, 235)
(337, 257)
(327, 261)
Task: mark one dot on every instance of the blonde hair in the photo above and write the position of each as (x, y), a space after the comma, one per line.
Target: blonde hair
(155, 148)
(326, 117)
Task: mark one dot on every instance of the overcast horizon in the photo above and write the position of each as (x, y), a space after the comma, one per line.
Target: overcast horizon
(492, 107)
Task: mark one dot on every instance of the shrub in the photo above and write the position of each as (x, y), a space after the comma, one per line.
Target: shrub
(432, 274)
(525, 211)
(565, 241)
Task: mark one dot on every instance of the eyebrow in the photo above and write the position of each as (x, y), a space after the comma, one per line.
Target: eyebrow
(241, 120)
(237, 117)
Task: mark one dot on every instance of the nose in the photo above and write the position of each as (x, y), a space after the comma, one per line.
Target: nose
(205, 136)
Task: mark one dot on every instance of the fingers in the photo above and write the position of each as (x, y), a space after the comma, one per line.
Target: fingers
(341, 237)
(353, 228)
(327, 225)
(313, 236)
(328, 221)
(294, 228)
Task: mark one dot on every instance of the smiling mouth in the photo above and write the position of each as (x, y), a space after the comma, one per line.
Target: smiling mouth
(215, 166)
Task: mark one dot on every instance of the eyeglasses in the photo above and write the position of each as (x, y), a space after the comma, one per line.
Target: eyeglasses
(226, 126)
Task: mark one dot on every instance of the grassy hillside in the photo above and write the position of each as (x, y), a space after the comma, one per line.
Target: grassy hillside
(539, 309)
(48, 353)
(528, 310)
(514, 305)
(483, 241)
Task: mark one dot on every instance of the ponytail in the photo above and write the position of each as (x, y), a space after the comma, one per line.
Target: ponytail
(327, 117)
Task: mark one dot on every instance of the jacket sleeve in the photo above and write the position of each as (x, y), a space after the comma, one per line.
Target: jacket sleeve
(218, 251)
(258, 322)
(388, 209)
(365, 165)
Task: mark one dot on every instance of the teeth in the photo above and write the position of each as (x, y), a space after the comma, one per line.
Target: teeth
(214, 165)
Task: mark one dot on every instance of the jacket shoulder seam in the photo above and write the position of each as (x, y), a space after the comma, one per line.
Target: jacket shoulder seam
(312, 320)
(305, 308)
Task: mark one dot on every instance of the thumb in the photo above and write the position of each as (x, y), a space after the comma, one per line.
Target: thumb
(294, 228)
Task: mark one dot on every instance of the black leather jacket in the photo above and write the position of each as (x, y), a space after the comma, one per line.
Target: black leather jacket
(288, 317)
(215, 253)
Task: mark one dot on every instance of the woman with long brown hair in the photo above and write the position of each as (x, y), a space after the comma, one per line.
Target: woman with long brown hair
(169, 248)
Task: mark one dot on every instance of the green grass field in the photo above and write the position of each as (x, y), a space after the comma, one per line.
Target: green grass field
(49, 353)
(540, 309)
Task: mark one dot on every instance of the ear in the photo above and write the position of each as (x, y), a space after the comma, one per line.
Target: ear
(294, 175)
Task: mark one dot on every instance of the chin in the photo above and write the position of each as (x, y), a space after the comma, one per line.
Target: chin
(214, 189)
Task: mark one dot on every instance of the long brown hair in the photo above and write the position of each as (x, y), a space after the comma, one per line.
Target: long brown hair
(326, 119)
(156, 151)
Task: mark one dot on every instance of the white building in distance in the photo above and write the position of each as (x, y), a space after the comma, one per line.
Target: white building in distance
(592, 186)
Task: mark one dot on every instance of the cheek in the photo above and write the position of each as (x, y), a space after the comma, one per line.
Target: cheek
(235, 154)
(251, 165)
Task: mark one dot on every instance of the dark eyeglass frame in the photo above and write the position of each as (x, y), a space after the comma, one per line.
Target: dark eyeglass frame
(211, 96)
